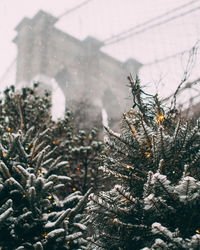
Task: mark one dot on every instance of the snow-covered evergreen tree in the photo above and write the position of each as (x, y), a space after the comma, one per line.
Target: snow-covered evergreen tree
(32, 216)
(154, 163)
(82, 150)
(26, 110)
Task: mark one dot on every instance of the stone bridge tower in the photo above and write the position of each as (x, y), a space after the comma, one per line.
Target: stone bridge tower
(80, 69)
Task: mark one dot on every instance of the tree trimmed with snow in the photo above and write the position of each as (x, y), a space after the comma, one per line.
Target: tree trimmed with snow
(154, 163)
(30, 112)
(35, 217)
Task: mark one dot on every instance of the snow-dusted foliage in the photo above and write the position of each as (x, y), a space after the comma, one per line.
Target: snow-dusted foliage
(155, 164)
(163, 215)
(32, 216)
(78, 150)
(24, 109)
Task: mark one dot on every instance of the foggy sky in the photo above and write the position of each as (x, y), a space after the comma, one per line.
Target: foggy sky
(104, 18)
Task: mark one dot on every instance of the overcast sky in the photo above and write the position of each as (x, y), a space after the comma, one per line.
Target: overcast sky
(104, 18)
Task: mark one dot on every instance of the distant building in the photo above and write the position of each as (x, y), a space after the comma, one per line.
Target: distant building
(83, 72)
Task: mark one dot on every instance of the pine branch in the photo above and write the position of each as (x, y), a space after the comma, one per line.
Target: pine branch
(114, 173)
(53, 235)
(133, 130)
(4, 170)
(164, 184)
(21, 171)
(160, 166)
(182, 144)
(14, 145)
(158, 228)
(128, 225)
(155, 160)
(21, 150)
(162, 142)
(146, 134)
(147, 185)
(152, 200)
(39, 161)
(94, 242)
(6, 206)
(80, 204)
(102, 204)
(178, 126)
(113, 146)
(118, 137)
(11, 181)
(19, 107)
(123, 192)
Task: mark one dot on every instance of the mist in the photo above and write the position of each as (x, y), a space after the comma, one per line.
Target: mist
(83, 51)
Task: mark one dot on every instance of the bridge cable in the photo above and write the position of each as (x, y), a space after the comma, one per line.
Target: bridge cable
(120, 37)
(73, 9)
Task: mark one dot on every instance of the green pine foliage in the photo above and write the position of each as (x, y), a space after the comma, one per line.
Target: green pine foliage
(154, 163)
(24, 109)
(29, 112)
(6, 218)
(32, 216)
(82, 151)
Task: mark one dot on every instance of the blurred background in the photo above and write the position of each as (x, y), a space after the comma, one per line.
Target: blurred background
(83, 51)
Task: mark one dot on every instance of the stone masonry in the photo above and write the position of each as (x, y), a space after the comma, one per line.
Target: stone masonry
(80, 68)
